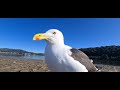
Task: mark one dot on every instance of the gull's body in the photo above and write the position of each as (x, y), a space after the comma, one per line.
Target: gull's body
(62, 58)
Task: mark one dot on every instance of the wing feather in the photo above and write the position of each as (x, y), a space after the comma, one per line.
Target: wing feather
(83, 59)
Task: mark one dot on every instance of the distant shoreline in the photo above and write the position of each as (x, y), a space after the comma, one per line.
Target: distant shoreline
(26, 57)
(18, 52)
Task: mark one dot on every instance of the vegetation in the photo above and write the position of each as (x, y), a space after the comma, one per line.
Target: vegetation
(104, 54)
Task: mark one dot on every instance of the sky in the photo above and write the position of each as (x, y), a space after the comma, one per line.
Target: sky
(17, 33)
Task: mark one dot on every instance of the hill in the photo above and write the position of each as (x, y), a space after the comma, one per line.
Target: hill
(104, 54)
(8, 51)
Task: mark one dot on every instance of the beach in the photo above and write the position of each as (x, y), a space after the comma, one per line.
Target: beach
(13, 64)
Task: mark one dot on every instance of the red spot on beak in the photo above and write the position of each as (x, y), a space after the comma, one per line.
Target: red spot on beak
(37, 38)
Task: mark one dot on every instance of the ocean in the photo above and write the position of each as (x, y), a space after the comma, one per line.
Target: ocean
(28, 57)
(33, 57)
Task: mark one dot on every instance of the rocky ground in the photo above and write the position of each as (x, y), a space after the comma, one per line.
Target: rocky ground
(108, 68)
(8, 64)
(21, 65)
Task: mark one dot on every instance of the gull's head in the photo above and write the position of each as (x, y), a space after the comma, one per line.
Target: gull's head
(51, 36)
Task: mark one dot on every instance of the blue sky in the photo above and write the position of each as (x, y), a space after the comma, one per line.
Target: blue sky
(78, 32)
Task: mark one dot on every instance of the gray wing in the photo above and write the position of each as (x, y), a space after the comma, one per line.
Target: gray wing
(83, 59)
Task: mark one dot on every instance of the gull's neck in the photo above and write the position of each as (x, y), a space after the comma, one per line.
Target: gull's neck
(56, 43)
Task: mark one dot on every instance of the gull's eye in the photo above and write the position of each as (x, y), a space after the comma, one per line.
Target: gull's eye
(54, 32)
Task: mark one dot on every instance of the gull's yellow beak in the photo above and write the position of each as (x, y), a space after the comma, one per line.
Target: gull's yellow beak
(40, 36)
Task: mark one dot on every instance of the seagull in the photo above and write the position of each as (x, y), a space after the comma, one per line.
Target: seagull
(63, 58)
